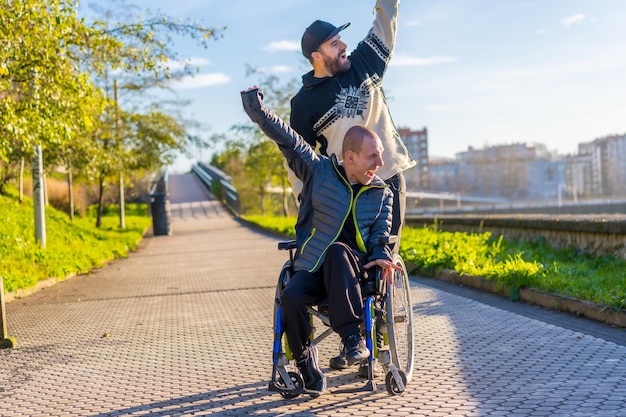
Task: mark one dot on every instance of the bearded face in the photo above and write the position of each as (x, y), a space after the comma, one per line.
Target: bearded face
(337, 64)
(334, 56)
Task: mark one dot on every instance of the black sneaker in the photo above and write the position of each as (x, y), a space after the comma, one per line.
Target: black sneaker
(314, 380)
(339, 362)
(354, 349)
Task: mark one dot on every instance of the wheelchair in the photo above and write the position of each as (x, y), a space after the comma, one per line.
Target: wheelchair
(388, 331)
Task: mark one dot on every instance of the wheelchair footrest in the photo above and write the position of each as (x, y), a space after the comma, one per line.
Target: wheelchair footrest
(370, 386)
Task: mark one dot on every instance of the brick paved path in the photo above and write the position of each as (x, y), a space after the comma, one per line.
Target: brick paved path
(183, 327)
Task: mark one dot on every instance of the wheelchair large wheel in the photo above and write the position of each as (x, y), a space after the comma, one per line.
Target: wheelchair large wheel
(285, 275)
(399, 320)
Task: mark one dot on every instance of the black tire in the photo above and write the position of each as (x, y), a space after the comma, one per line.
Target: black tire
(399, 320)
(297, 381)
(285, 275)
(392, 384)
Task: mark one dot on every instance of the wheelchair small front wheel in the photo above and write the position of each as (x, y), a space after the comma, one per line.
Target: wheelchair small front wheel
(392, 385)
(296, 380)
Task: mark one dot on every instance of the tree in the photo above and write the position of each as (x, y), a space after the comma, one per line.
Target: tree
(143, 59)
(263, 164)
(45, 98)
(57, 74)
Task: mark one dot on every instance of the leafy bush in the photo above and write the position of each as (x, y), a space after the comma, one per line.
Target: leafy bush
(513, 263)
(519, 264)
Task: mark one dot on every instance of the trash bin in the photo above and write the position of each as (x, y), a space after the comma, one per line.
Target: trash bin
(160, 210)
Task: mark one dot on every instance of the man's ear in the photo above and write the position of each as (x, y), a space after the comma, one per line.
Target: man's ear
(317, 56)
(349, 156)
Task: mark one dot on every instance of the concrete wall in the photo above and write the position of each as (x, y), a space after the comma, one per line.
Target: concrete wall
(595, 234)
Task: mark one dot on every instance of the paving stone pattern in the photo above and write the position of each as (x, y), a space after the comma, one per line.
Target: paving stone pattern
(184, 327)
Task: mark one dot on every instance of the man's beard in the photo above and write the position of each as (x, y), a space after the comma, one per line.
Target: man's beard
(334, 66)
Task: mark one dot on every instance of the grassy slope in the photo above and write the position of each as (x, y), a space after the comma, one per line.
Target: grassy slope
(78, 247)
(521, 264)
(71, 248)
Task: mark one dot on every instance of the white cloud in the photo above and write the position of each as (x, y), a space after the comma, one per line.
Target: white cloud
(200, 81)
(281, 69)
(281, 46)
(276, 69)
(413, 61)
(570, 20)
(413, 23)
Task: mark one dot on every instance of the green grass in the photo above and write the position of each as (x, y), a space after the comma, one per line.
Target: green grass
(79, 247)
(71, 247)
(283, 225)
(513, 263)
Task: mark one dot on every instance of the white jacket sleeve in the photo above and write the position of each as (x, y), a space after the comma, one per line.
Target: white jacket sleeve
(385, 28)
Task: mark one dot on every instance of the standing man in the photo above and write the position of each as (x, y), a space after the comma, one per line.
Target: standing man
(342, 91)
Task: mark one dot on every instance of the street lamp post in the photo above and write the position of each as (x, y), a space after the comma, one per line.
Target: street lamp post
(38, 198)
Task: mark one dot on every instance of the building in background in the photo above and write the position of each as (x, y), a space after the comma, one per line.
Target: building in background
(578, 176)
(416, 142)
(606, 157)
(520, 171)
(443, 175)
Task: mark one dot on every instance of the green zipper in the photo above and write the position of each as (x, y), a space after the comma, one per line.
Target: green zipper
(308, 239)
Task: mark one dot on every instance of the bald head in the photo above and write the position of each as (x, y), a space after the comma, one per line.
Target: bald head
(362, 154)
(353, 140)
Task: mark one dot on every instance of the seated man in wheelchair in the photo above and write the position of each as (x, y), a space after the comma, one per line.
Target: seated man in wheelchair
(345, 210)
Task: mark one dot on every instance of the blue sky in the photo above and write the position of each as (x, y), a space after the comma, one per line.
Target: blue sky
(474, 72)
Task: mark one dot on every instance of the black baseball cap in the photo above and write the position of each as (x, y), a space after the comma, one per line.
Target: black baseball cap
(318, 33)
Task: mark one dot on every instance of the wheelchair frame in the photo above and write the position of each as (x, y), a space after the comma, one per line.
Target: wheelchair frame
(388, 312)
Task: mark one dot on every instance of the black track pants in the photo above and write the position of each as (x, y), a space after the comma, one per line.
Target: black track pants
(338, 281)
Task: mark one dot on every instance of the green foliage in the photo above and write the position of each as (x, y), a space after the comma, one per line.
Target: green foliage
(71, 247)
(59, 74)
(44, 96)
(518, 264)
(599, 279)
(216, 188)
(254, 162)
(145, 43)
(284, 225)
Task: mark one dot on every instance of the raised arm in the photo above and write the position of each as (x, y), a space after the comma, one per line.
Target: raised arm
(374, 52)
(299, 155)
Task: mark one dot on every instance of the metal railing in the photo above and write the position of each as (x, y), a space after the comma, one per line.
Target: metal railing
(218, 184)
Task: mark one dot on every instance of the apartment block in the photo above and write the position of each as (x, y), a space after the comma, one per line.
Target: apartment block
(606, 166)
(521, 171)
(416, 142)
